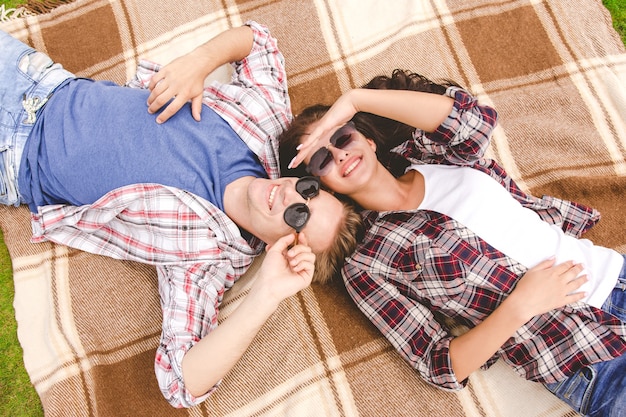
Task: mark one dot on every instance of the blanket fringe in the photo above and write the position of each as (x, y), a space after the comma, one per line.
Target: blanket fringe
(43, 6)
(14, 13)
(30, 8)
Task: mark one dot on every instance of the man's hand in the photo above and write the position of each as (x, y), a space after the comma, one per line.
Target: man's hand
(179, 81)
(285, 271)
(183, 79)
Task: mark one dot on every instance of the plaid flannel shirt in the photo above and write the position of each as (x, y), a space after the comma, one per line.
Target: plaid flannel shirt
(417, 269)
(197, 250)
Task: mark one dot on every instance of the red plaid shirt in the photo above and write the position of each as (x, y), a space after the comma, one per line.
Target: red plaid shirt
(416, 266)
(198, 251)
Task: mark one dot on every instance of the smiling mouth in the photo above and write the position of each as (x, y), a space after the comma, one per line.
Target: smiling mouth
(270, 200)
(351, 167)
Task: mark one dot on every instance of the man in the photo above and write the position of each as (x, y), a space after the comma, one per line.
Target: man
(186, 196)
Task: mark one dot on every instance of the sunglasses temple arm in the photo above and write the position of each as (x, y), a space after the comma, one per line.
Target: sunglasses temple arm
(296, 241)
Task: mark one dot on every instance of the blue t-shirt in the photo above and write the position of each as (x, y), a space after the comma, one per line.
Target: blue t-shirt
(95, 136)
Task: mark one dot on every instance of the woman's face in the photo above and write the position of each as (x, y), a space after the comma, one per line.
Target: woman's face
(345, 161)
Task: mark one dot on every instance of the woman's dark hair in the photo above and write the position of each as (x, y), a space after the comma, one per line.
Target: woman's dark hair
(290, 138)
(386, 133)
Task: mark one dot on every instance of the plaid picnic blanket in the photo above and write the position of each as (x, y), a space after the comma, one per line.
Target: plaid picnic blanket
(556, 72)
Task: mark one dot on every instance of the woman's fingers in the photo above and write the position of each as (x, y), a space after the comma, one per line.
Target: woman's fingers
(311, 143)
(574, 285)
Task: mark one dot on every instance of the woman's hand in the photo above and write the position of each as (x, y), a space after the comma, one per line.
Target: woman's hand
(339, 114)
(179, 81)
(548, 286)
(543, 288)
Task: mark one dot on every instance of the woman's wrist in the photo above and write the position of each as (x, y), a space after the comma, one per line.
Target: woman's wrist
(516, 309)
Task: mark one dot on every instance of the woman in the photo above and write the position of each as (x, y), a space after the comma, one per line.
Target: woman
(450, 234)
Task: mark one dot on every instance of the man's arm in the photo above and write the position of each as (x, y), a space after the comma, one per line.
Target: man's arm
(283, 273)
(183, 78)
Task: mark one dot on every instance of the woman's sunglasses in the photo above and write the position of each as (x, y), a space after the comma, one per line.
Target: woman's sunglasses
(298, 214)
(322, 160)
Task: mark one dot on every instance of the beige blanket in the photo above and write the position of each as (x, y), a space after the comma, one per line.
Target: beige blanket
(555, 70)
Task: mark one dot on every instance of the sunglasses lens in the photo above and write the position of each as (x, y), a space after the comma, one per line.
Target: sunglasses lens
(343, 136)
(296, 216)
(320, 162)
(308, 187)
(342, 141)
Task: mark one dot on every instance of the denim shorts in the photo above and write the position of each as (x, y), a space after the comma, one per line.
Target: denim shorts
(600, 389)
(27, 79)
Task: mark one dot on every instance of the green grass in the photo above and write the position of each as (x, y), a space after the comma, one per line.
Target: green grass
(11, 4)
(17, 395)
(617, 8)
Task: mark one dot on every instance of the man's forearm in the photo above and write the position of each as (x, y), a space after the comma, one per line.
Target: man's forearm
(229, 46)
(211, 358)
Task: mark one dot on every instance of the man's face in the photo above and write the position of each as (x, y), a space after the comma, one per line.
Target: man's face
(268, 200)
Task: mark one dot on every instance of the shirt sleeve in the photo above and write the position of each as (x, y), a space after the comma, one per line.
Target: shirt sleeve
(256, 102)
(197, 250)
(461, 139)
(145, 70)
(410, 326)
(188, 316)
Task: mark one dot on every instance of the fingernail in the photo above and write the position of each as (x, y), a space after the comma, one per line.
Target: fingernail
(298, 147)
(291, 163)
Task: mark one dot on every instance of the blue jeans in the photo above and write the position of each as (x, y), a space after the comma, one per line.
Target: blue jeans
(600, 389)
(27, 79)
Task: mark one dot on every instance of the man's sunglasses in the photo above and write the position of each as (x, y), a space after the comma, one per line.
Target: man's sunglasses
(322, 160)
(298, 214)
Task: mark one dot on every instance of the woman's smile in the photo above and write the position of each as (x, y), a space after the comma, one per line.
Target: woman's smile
(350, 165)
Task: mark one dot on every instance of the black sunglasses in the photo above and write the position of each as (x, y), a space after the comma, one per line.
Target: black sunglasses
(298, 214)
(321, 161)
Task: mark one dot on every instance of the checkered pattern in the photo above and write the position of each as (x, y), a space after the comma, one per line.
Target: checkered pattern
(555, 72)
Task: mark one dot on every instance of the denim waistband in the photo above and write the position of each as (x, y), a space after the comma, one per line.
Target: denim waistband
(28, 80)
(53, 78)
(35, 78)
